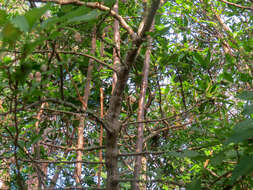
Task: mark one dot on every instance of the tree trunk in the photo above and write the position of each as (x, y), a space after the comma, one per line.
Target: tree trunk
(101, 136)
(116, 49)
(34, 181)
(112, 116)
(80, 138)
(141, 109)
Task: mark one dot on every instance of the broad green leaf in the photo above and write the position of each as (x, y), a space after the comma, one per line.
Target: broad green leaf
(10, 33)
(52, 22)
(218, 159)
(199, 59)
(190, 153)
(245, 77)
(29, 47)
(3, 17)
(77, 12)
(21, 23)
(22, 71)
(78, 15)
(186, 153)
(34, 139)
(246, 95)
(248, 110)
(165, 187)
(35, 14)
(241, 132)
(244, 167)
(228, 77)
(195, 185)
(87, 17)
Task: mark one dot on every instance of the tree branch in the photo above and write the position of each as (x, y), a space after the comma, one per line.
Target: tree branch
(62, 161)
(99, 6)
(181, 184)
(149, 19)
(74, 149)
(236, 5)
(73, 53)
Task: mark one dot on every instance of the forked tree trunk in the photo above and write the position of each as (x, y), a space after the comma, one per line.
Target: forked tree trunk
(139, 161)
(112, 116)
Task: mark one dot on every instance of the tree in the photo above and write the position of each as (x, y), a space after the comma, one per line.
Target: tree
(172, 90)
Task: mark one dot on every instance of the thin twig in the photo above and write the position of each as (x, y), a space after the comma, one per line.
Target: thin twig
(62, 161)
(236, 5)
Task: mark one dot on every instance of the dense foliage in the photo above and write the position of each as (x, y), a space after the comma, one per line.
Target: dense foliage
(74, 94)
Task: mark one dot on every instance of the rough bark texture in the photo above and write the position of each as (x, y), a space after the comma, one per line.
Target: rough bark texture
(141, 109)
(112, 115)
(80, 140)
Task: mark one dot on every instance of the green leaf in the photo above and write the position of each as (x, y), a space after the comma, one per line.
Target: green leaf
(76, 12)
(34, 139)
(218, 159)
(190, 153)
(195, 185)
(242, 131)
(21, 23)
(186, 153)
(34, 15)
(244, 167)
(165, 187)
(10, 33)
(29, 47)
(22, 71)
(52, 22)
(228, 77)
(245, 77)
(246, 95)
(79, 15)
(248, 110)
(3, 17)
(87, 17)
(199, 59)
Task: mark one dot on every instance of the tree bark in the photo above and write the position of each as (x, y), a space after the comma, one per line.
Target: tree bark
(101, 136)
(112, 116)
(34, 181)
(80, 137)
(116, 49)
(140, 117)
